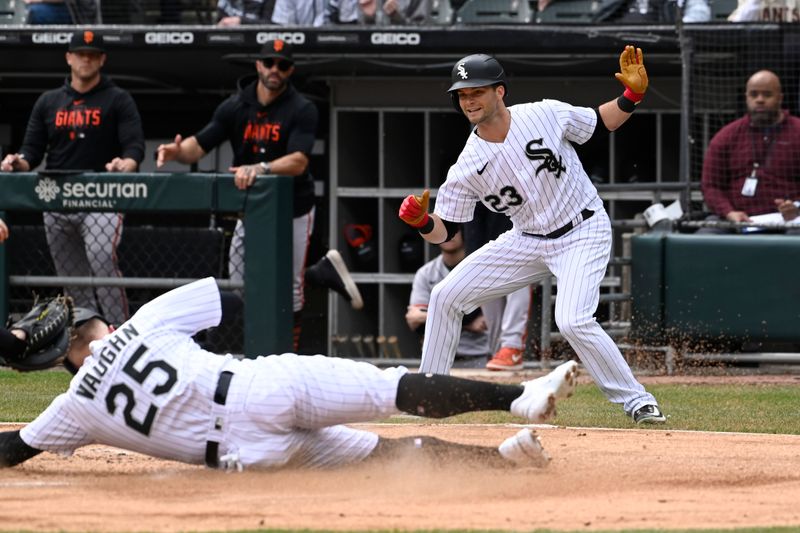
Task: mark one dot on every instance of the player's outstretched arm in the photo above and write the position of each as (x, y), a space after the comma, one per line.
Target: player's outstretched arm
(633, 76)
(13, 449)
(414, 212)
(186, 151)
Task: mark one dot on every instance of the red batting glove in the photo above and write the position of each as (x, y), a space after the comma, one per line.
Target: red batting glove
(414, 209)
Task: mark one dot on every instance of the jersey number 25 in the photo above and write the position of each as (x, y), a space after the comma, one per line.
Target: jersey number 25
(126, 392)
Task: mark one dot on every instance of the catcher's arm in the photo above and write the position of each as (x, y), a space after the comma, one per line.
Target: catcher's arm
(13, 449)
(633, 76)
(47, 327)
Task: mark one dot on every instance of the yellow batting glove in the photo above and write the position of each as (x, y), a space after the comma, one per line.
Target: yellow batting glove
(632, 73)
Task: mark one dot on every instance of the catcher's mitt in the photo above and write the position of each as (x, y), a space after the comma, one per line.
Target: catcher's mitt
(48, 327)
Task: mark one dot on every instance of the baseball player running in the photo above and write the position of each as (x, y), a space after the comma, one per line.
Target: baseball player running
(520, 161)
(148, 387)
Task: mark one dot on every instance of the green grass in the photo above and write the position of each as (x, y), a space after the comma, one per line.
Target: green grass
(738, 408)
(23, 396)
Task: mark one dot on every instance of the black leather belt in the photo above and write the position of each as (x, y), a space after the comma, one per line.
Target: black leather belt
(586, 214)
(220, 395)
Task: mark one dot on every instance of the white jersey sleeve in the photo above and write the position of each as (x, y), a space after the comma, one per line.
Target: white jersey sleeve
(55, 430)
(456, 198)
(577, 123)
(188, 309)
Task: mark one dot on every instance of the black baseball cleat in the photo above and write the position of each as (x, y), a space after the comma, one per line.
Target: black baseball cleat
(648, 414)
(331, 272)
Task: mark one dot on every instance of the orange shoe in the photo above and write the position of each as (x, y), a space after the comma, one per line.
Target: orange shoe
(506, 359)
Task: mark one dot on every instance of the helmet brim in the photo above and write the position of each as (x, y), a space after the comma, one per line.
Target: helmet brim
(470, 84)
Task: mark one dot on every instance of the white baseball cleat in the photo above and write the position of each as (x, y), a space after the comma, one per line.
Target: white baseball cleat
(524, 449)
(538, 401)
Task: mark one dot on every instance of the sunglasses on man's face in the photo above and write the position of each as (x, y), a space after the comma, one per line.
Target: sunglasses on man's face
(283, 64)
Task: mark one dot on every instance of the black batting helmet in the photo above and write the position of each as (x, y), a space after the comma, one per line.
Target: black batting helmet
(476, 70)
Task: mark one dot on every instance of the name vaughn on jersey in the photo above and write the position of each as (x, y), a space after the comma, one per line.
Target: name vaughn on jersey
(114, 344)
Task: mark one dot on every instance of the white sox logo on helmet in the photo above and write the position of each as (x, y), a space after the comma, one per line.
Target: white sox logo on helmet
(462, 71)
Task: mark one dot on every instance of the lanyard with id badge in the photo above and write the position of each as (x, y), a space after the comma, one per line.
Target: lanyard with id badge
(751, 182)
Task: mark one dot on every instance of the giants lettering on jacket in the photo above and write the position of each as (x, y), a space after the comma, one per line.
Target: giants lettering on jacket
(261, 132)
(78, 118)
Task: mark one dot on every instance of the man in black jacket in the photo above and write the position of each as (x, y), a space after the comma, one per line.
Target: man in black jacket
(89, 124)
(271, 128)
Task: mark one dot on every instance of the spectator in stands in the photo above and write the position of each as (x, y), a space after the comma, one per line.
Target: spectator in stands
(651, 11)
(88, 124)
(238, 12)
(48, 12)
(300, 12)
(342, 11)
(271, 128)
(765, 11)
(506, 317)
(473, 346)
(3, 231)
(396, 11)
(752, 166)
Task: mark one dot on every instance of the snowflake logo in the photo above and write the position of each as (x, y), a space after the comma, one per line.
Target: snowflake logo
(47, 190)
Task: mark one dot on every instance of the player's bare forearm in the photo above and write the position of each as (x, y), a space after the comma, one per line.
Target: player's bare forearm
(293, 164)
(416, 316)
(13, 449)
(612, 116)
(439, 232)
(186, 151)
(190, 151)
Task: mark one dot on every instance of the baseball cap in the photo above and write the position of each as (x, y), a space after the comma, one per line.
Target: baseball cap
(277, 48)
(86, 40)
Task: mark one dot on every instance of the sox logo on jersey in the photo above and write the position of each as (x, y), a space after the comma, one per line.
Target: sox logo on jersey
(549, 158)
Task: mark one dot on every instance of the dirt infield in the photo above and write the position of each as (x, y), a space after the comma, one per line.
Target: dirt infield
(598, 479)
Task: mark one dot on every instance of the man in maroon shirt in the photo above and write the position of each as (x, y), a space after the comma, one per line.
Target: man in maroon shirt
(752, 166)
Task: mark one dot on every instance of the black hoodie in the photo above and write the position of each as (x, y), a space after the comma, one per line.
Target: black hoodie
(263, 133)
(83, 131)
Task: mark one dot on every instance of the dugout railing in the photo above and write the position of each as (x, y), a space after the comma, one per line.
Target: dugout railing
(265, 208)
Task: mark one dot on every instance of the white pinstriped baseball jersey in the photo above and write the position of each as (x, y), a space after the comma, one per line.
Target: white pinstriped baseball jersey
(148, 387)
(541, 187)
(535, 177)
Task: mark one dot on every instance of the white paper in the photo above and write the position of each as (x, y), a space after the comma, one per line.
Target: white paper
(775, 219)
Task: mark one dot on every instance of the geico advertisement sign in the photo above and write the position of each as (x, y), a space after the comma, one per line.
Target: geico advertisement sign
(406, 39)
(169, 37)
(51, 38)
(291, 37)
